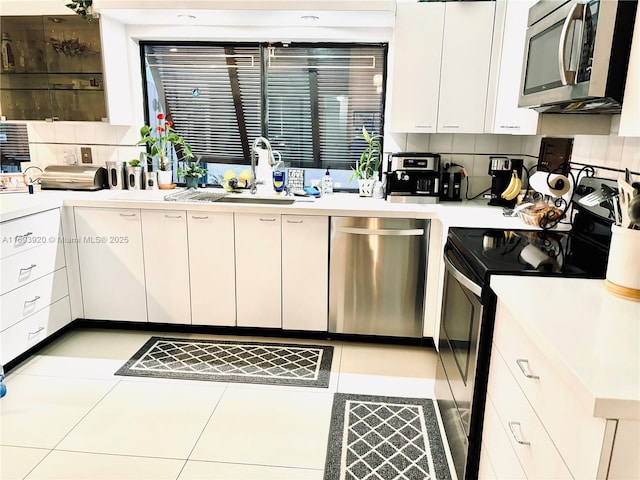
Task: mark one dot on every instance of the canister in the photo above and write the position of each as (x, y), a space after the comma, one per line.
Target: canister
(151, 180)
(134, 177)
(115, 173)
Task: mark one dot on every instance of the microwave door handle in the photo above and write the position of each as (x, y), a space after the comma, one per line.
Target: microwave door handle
(568, 77)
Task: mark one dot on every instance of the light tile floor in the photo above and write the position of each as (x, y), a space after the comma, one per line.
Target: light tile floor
(66, 416)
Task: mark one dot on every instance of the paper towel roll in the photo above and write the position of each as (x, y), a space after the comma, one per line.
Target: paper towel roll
(550, 183)
(538, 259)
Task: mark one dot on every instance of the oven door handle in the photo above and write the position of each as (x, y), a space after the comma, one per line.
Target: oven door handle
(460, 277)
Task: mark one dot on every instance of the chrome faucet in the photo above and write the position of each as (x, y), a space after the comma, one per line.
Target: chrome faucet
(267, 144)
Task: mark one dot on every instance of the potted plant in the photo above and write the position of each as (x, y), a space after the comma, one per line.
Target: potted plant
(84, 8)
(367, 167)
(161, 141)
(191, 171)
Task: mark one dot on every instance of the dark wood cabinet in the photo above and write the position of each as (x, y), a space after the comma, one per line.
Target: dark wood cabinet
(51, 68)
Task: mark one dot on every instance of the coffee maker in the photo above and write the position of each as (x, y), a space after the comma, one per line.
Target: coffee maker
(413, 177)
(500, 170)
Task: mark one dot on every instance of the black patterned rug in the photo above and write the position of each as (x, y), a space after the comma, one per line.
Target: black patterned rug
(384, 438)
(230, 361)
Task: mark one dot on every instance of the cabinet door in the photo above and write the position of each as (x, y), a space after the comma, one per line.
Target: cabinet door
(212, 268)
(258, 270)
(416, 67)
(466, 58)
(503, 113)
(111, 264)
(57, 69)
(166, 264)
(305, 272)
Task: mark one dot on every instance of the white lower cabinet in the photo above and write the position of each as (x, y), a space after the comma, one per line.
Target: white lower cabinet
(305, 272)
(111, 263)
(166, 266)
(212, 270)
(258, 270)
(27, 333)
(34, 292)
(533, 405)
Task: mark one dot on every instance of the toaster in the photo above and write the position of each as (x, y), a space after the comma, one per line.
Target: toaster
(73, 177)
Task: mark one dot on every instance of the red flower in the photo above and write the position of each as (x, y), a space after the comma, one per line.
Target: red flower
(160, 116)
(160, 128)
(168, 124)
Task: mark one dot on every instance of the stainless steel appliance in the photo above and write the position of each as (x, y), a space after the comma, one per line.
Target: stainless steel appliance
(73, 177)
(377, 274)
(413, 177)
(471, 257)
(577, 55)
(500, 170)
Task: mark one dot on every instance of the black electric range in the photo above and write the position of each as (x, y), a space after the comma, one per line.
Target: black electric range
(471, 257)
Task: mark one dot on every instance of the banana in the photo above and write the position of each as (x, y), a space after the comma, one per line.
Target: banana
(513, 189)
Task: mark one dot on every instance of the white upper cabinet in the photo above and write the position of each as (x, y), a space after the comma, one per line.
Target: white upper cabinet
(117, 82)
(630, 118)
(442, 55)
(416, 67)
(503, 114)
(466, 58)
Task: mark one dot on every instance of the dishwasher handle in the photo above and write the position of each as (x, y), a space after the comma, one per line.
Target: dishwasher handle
(409, 232)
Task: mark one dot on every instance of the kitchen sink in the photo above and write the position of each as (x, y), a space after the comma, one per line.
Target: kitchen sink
(224, 197)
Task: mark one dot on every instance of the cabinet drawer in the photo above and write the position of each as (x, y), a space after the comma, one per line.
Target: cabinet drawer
(27, 266)
(496, 448)
(29, 232)
(18, 338)
(533, 446)
(33, 297)
(575, 432)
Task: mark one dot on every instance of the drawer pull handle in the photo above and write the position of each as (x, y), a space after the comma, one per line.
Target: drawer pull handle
(517, 436)
(173, 216)
(526, 371)
(200, 218)
(27, 269)
(31, 302)
(127, 214)
(33, 334)
(295, 221)
(267, 219)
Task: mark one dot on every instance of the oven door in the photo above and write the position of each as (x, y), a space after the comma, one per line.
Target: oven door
(458, 346)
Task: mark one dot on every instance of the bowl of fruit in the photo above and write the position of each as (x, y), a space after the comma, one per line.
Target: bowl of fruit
(236, 183)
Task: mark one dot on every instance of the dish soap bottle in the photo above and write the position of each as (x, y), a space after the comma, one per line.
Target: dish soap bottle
(327, 183)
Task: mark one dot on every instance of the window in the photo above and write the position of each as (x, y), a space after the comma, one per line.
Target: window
(309, 100)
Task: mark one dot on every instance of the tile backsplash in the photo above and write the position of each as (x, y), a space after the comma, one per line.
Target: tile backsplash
(54, 143)
(608, 154)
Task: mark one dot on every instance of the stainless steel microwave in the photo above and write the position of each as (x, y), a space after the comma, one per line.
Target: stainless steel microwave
(576, 55)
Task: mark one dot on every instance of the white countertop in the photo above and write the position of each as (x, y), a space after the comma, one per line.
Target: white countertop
(474, 213)
(589, 334)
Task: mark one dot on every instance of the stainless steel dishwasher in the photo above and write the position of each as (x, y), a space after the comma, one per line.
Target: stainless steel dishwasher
(377, 274)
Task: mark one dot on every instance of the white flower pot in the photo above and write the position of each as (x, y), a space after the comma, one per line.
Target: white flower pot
(366, 186)
(165, 177)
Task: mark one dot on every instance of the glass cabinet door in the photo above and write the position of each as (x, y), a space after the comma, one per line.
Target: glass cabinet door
(56, 68)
